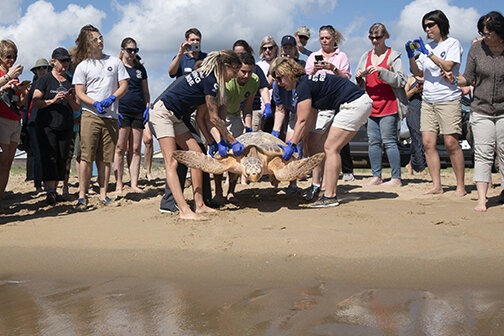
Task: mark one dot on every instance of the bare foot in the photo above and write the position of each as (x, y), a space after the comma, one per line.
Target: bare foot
(375, 181)
(230, 197)
(395, 182)
(434, 191)
(502, 206)
(409, 169)
(481, 207)
(459, 193)
(149, 177)
(136, 189)
(187, 183)
(205, 209)
(191, 215)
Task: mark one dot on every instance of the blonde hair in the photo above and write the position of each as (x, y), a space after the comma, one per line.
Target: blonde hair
(216, 62)
(83, 43)
(265, 40)
(7, 46)
(285, 66)
(338, 37)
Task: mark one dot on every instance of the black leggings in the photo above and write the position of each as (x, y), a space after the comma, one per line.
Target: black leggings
(54, 146)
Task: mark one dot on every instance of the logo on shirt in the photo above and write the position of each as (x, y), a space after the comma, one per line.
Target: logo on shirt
(247, 94)
(110, 68)
(317, 78)
(215, 88)
(443, 54)
(139, 74)
(194, 78)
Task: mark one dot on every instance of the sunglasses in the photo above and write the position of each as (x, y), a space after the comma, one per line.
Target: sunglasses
(375, 37)
(97, 39)
(44, 67)
(430, 25)
(486, 34)
(11, 56)
(278, 78)
(131, 50)
(302, 37)
(269, 48)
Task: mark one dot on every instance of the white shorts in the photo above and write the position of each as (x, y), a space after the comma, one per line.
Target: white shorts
(324, 119)
(353, 115)
(234, 124)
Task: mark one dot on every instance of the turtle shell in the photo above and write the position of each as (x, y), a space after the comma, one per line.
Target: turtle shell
(264, 142)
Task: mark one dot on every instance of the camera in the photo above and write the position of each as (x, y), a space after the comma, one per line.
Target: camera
(193, 47)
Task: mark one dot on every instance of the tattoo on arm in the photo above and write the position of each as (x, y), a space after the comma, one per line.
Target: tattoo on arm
(213, 112)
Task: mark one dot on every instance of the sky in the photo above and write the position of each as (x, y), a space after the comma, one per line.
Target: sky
(158, 26)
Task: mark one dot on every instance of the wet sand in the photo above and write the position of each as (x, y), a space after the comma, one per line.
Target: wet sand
(391, 246)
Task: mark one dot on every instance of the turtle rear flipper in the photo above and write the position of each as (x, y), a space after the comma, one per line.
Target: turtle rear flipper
(294, 169)
(207, 164)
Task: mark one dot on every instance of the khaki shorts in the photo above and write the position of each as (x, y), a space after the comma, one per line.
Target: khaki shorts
(234, 124)
(10, 130)
(443, 117)
(353, 115)
(98, 138)
(324, 120)
(165, 123)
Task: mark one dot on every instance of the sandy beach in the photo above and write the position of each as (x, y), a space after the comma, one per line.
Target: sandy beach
(379, 237)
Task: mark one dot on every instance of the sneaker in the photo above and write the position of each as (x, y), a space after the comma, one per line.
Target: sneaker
(107, 201)
(293, 190)
(324, 202)
(51, 198)
(348, 177)
(81, 204)
(173, 209)
(313, 193)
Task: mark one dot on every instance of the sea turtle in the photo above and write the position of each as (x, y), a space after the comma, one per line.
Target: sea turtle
(262, 155)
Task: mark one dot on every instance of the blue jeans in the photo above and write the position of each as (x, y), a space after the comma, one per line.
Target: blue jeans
(383, 130)
(418, 162)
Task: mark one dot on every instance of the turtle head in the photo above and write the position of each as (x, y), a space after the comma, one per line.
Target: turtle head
(252, 168)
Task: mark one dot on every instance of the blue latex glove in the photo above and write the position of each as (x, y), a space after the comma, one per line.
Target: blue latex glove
(411, 52)
(275, 133)
(146, 116)
(99, 107)
(212, 149)
(423, 49)
(267, 112)
(248, 129)
(289, 149)
(237, 148)
(108, 101)
(223, 148)
(119, 118)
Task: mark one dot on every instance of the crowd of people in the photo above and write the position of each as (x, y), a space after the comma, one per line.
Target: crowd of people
(97, 108)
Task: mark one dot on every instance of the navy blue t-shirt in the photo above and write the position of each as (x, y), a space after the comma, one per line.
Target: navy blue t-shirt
(283, 97)
(327, 92)
(133, 102)
(263, 82)
(187, 63)
(191, 92)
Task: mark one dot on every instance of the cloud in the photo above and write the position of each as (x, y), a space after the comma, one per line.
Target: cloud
(41, 29)
(11, 11)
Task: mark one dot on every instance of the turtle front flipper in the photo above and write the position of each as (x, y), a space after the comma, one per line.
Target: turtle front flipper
(207, 164)
(296, 168)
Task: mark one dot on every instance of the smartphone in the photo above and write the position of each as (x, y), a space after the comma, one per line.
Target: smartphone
(193, 47)
(24, 83)
(319, 58)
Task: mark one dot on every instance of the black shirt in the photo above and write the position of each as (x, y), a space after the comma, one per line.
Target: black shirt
(58, 116)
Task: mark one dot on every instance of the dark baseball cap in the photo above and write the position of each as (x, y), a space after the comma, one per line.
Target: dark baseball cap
(61, 54)
(289, 39)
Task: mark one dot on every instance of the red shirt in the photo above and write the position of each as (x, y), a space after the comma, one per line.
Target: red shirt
(6, 112)
(384, 100)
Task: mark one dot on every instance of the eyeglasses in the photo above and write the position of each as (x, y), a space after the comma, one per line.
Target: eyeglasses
(269, 47)
(486, 34)
(11, 56)
(98, 38)
(131, 50)
(429, 25)
(375, 37)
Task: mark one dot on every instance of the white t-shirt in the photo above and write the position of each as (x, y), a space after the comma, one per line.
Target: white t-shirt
(101, 78)
(435, 88)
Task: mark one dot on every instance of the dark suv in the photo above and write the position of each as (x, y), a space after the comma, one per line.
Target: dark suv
(359, 144)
